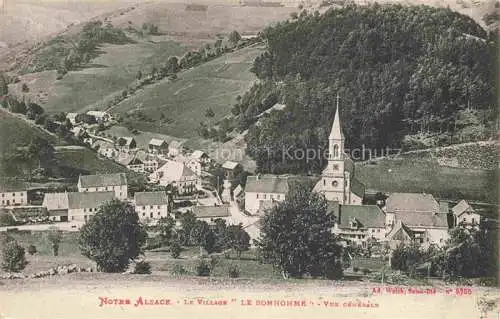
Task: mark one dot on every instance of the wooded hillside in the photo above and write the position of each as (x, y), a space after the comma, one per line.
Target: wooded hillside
(408, 77)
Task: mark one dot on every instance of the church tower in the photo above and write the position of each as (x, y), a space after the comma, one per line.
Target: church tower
(334, 181)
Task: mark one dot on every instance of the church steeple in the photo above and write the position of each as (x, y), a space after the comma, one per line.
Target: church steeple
(336, 133)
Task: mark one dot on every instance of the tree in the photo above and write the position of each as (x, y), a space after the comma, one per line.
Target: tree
(4, 89)
(13, 257)
(296, 236)
(25, 88)
(175, 249)
(188, 222)
(113, 236)
(234, 37)
(54, 237)
(209, 112)
(203, 236)
(239, 239)
(407, 257)
(165, 228)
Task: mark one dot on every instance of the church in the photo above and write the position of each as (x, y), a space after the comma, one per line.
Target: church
(338, 182)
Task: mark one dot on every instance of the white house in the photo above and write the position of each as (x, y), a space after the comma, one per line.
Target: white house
(211, 213)
(421, 214)
(100, 116)
(57, 206)
(194, 165)
(261, 189)
(152, 205)
(356, 224)
(13, 196)
(175, 148)
(177, 174)
(157, 146)
(81, 206)
(200, 156)
(116, 183)
(465, 216)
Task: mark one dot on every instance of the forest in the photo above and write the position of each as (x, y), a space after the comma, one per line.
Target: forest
(407, 76)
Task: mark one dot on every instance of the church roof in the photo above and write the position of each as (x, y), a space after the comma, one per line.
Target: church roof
(336, 131)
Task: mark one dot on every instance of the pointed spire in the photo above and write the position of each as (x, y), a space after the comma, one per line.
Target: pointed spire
(336, 132)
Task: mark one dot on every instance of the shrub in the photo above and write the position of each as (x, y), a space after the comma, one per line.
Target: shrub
(355, 269)
(233, 271)
(175, 249)
(32, 250)
(13, 257)
(142, 267)
(366, 271)
(203, 269)
(179, 270)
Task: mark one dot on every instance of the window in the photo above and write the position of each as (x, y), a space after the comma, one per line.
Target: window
(473, 220)
(84, 210)
(3, 195)
(151, 207)
(324, 182)
(265, 195)
(378, 230)
(158, 206)
(159, 214)
(72, 217)
(335, 167)
(21, 194)
(335, 150)
(143, 214)
(335, 183)
(13, 194)
(151, 215)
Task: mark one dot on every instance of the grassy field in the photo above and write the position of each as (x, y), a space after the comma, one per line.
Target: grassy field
(214, 85)
(161, 261)
(421, 175)
(88, 161)
(16, 132)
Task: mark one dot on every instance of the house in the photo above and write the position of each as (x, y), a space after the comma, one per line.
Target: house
(264, 188)
(116, 183)
(211, 213)
(81, 206)
(231, 169)
(79, 132)
(131, 162)
(419, 212)
(105, 148)
(13, 193)
(357, 224)
(157, 146)
(338, 181)
(126, 144)
(400, 234)
(150, 162)
(175, 148)
(100, 116)
(177, 174)
(57, 206)
(153, 205)
(194, 165)
(201, 157)
(465, 216)
(72, 118)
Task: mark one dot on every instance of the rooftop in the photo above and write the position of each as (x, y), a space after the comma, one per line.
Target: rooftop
(412, 202)
(198, 154)
(267, 184)
(462, 207)
(151, 198)
(230, 165)
(157, 142)
(55, 201)
(370, 216)
(211, 211)
(103, 180)
(89, 199)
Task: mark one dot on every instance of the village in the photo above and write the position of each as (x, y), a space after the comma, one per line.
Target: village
(387, 219)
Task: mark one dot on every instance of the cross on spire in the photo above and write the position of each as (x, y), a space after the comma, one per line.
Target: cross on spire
(336, 132)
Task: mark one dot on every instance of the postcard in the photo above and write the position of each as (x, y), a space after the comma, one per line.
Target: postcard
(249, 159)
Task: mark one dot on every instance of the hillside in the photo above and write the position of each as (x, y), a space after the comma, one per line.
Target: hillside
(407, 77)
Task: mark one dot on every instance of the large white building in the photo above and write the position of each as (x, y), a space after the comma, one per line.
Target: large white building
(338, 182)
(177, 174)
(262, 191)
(152, 205)
(116, 183)
(13, 196)
(81, 206)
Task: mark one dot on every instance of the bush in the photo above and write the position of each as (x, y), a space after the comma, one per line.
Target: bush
(32, 250)
(13, 257)
(355, 269)
(202, 269)
(179, 270)
(175, 249)
(234, 272)
(366, 271)
(142, 267)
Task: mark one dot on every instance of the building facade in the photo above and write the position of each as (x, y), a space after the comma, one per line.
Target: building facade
(262, 189)
(116, 183)
(82, 206)
(338, 182)
(152, 205)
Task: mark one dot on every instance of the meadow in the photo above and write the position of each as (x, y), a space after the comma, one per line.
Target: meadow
(426, 175)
